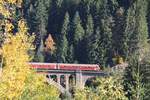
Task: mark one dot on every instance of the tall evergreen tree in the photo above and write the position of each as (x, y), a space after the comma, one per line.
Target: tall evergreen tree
(118, 32)
(133, 79)
(62, 47)
(56, 16)
(136, 28)
(106, 31)
(89, 26)
(78, 35)
(29, 14)
(137, 32)
(42, 17)
(96, 11)
(78, 30)
(70, 54)
(89, 31)
(84, 10)
(93, 52)
(99, 48)
(39, 55)
(145, 70)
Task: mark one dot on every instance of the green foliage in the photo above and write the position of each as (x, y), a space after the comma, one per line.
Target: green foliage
(70, 54)
(133, 79)
(35, 90)
(136, 28)
(108, 88)
(78, 31)
(93, 48)
(39, 56)
(62, 48)
(122, 24)
(42, 17)
(145, 70)
(78, 35)
(89, 26)
(118, 33)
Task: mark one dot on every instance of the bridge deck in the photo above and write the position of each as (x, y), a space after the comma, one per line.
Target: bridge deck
(91, 73)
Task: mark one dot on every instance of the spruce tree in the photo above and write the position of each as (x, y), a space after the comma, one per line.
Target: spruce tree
(29, 14)
(118, 32)
(136, 28)
(84, 10)
(93, 48)
(78, 30)
(133, 79)
(145, 70)
(42, 18)
(39, 56)
(70, 54)
(96, 12)
(106, 33)
(62, 46)
(89, 26)
(78, 35)
(56, 15)
(104, 37)
(137, 43)
(88, 33)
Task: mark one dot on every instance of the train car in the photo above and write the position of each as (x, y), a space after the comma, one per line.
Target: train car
(90, 67)
(85, 67)
(62, 66)
(43, 65)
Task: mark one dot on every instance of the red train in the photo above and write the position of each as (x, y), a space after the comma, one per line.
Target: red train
(56, 66)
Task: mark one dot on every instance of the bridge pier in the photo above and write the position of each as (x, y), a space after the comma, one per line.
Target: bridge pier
(79, 80)
(67, 82)
(58, 78)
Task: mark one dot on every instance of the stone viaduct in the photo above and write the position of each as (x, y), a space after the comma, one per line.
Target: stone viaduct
(65, 80)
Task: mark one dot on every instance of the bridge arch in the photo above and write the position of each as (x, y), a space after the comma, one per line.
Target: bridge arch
(57, 85)
(87, 79)
(90, 82)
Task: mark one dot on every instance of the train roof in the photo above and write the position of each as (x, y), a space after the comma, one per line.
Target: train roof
(64, 64)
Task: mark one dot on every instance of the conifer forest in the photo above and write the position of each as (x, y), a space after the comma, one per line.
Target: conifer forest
(103, 32)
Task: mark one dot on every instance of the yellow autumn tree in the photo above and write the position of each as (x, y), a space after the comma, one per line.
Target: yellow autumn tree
(18, 80)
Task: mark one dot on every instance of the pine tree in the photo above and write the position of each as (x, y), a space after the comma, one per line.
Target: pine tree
(62, 47)
(94, 55)
(42, 18)
(106, 33)
(137, 35)
(39, 56)
(84, 10)
(96, 12)
(100, 45)
(145, 70)
(29, 14)
(78, 35)
(118, 33)
(70, 54)
(89, 26)
(136, 28)
(56, 16)
(78, 30)
(133, 79)
(88, 33)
